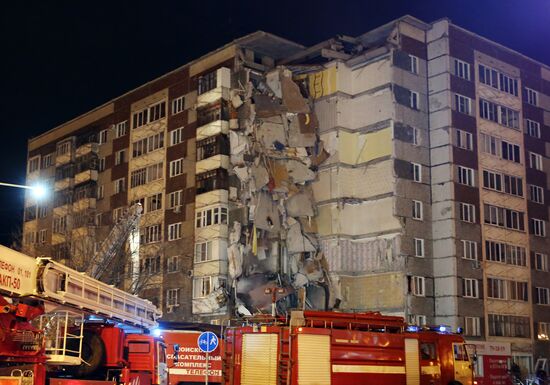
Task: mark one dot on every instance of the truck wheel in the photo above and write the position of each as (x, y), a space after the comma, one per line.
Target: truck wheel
(93, 353)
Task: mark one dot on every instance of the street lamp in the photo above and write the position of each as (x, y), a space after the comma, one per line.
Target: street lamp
(38, 190)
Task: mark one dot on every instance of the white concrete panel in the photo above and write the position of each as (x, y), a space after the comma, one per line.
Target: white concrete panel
(366, 109)
(439, 100)
(326, 112)
(441, 173)
(440, 137)
(438, 65)
(441, 155)
(442, 210)
(445, 267)
(442, 229)
(440, 119)
(370, 76)
(444, 247)
(438, 29)
(438, 48)
(439, 82)
(442, 192)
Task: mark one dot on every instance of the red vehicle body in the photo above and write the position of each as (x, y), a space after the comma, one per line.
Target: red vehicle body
(188, 365)
(326, 348)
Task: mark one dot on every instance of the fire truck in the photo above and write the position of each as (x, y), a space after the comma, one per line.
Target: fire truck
(330, 348)
(60, 326)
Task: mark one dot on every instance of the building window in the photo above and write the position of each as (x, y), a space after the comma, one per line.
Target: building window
(102, 138)
(466, 176)
(498, 114)
(505, 253)
(488, 110)
(212, 146)
(207, 82)
(508, 117)
(462, 69)
(418, 286)
(513, 185)
(34, 164)
(417, 319)
(418, 247)
(172, 264)
(543, 296)
(535, 161)
(147, 145)
(29, 238)
(174, 231)
(154, 202)
(467, 212)
(100, 192)
(413, 64)
(176, 136)
(536, 194)
(176, 167)
(211, 180)
(414, 101)
(503, 217)
(416, 136)
(47, 160)
(538, 227)
(531, 97)
(151, 234)
(118, 213)
(496, 288)
(509, 326)
(42, 211)
(146, 175)
(211, 216)
(417, 210)
(541, 262)
(178, 105)
(150, 265)
(511, 152)
(203, 251)
(140, 118)
(470, 288)
(120, 157)
(533, 128)
(498, 80)
(202, 286)
(416, 172)
(518, 291)
(492, 180)
(172, 297)
(157, 111)
(490, 144)
(63, 147)
(101, 164)
(469, 249)
(59, 224)
(120, 186)
(464, 140)
(120, 129)
(472, 326)
(543, 331)
(463, 104)
(42, 236)
(175, 199)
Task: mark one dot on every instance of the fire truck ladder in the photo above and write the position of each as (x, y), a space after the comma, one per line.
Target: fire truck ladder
(114, 242)
(283, 368)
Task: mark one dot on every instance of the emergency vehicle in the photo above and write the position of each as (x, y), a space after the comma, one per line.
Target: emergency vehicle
(330, 348)
(47, 335)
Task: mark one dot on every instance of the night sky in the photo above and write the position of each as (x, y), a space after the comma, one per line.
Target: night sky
(62, 58)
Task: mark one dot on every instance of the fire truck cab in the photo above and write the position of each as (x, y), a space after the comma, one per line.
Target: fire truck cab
(327, 348)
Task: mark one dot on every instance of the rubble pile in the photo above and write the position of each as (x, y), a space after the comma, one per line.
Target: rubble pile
(275, 152)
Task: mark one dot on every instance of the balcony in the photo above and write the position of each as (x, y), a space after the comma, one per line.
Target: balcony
(212, 180)
(212, 153)
(86, 149)
(214, 86)
(85, 176)
(211, 197)
(216, 127)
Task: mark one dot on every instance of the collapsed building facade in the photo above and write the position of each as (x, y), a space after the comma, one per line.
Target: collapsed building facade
(402, 170)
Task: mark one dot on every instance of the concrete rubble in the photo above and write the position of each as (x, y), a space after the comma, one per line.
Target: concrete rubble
(275, 153)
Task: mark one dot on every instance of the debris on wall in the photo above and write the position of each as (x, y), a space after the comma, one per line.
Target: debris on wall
(275, 153)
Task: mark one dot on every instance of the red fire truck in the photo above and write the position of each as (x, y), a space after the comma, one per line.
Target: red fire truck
(47, 337)
(328, 348)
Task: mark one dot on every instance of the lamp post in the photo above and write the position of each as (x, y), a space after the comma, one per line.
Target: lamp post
(38, 191)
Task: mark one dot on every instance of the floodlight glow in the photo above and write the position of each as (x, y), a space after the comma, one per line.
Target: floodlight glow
(156, 332)
(39, 191)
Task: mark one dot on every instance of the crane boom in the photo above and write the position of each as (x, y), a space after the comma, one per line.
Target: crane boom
(50, 281)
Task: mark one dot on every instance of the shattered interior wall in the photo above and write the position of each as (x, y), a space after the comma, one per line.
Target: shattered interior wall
(274, 156)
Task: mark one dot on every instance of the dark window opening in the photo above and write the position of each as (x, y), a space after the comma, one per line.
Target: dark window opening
(212, 180)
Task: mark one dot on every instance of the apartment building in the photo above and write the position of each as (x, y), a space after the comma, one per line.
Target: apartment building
(425, 191)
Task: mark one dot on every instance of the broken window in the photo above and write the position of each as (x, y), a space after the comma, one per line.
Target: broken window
(83, 191)
(212, 113)
(207, 82)
(63, 197)
(214, 145)
(212, 180)
(86, 162)
(30, 213)
(65, 171)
